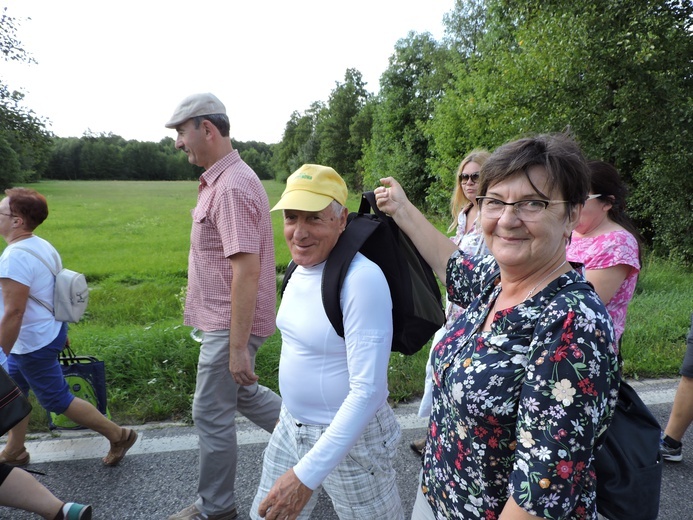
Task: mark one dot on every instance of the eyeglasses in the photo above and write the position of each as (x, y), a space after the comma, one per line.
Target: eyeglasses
(595, 196)
(8, 214)
(464, 177)
(527, 210)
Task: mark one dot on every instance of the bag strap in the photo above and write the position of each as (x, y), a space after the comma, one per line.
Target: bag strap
(43, 261)
(287, 274)
(337, 266)
(54, 273)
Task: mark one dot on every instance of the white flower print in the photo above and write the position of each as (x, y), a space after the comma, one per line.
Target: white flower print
(457, 392)
(461, 431)
(473, 507)
(499, 340)
(530, 313)
(519, 359)
(563, 391)
(508, 400)
(543, 453)
(525, 438)
(522, 465)
(531, 404)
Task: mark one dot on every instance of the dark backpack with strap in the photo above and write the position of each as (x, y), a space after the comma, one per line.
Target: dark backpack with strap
(628, 462)
(417, 311)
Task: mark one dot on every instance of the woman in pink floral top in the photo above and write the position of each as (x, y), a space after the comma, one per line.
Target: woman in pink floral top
(607, 243)
(526, 380)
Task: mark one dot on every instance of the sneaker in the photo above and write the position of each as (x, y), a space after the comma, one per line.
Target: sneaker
(77, 512)
(669, 453)
(192, 513)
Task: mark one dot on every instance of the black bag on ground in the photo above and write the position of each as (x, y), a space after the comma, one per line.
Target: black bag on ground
(86, 377)
(629, 464)
(417, 311)
(14, 406)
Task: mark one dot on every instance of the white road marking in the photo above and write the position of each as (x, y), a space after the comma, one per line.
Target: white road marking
(87, 445)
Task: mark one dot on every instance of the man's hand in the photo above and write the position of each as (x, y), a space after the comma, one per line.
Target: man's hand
(286, 499)
(244, 287)
(239, 366)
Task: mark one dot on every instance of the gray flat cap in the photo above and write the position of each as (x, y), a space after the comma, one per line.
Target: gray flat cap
(196, 105)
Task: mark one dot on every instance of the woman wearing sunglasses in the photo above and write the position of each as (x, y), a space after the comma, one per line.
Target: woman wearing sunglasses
(469, 239)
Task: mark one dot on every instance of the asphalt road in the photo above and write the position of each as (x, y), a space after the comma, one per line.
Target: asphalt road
(159, 475)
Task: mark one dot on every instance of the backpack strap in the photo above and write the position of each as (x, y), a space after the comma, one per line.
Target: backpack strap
(287, 274)
(54, 273)
(350, 241)
(36, 255)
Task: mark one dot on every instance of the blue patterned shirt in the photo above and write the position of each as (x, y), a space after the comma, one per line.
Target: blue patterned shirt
(518, 410)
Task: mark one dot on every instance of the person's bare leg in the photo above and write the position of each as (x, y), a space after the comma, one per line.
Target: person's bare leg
(22, 491)
(86, 414)
(682, 410)
(122, 439)
(16, 437)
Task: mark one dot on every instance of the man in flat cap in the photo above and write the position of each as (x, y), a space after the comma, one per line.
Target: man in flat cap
(231, 299)
(336, 430)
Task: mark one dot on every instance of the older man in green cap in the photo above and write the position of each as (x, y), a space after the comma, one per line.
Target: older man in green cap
(336, 430)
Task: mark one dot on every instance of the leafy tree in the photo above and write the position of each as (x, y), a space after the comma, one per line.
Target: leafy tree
(20, 128)
(299, 144)
(9, 165)
(336, 146)
(257, 155)
(617, 73)
(465, 27)
(414, 80)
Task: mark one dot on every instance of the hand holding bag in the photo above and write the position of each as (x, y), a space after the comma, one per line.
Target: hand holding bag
(14, 406)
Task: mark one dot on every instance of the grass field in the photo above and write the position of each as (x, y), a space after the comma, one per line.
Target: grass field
(131, 240)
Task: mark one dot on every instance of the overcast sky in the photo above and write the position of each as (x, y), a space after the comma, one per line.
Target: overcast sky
(123, 66)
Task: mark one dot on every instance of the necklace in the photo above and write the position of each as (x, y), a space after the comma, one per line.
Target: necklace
(530, 293)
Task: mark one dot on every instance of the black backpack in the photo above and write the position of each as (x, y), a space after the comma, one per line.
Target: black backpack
(417, 311)
(628, 462)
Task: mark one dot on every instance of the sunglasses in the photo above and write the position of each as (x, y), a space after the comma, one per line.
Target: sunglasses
(464, 177)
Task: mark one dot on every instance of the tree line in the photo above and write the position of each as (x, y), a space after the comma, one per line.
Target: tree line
(616, 74)
(110, 157)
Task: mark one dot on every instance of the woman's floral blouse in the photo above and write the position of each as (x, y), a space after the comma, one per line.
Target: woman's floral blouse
(517, 410)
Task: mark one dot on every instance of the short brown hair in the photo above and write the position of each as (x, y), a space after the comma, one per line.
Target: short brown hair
(559, 154)
(28, 204)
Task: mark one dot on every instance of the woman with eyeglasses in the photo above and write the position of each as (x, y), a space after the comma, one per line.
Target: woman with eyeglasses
(468, 237)
(607, 242)
(525, 381)
(30, 335)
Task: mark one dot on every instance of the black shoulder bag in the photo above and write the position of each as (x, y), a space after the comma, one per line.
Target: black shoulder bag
(628, 462)
(14, 406)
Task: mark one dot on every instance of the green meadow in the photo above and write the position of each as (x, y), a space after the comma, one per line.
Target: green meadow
(131, 241)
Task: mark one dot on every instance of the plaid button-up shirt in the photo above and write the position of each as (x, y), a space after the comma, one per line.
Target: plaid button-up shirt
(232, 216)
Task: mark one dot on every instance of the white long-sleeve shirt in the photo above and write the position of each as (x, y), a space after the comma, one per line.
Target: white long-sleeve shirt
(328, 380)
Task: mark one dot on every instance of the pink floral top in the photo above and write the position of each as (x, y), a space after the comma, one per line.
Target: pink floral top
(608, 250)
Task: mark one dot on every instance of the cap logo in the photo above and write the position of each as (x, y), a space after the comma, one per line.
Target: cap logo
(304, 176)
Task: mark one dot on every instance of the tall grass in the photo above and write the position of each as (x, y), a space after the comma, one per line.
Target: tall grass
(131, 240)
